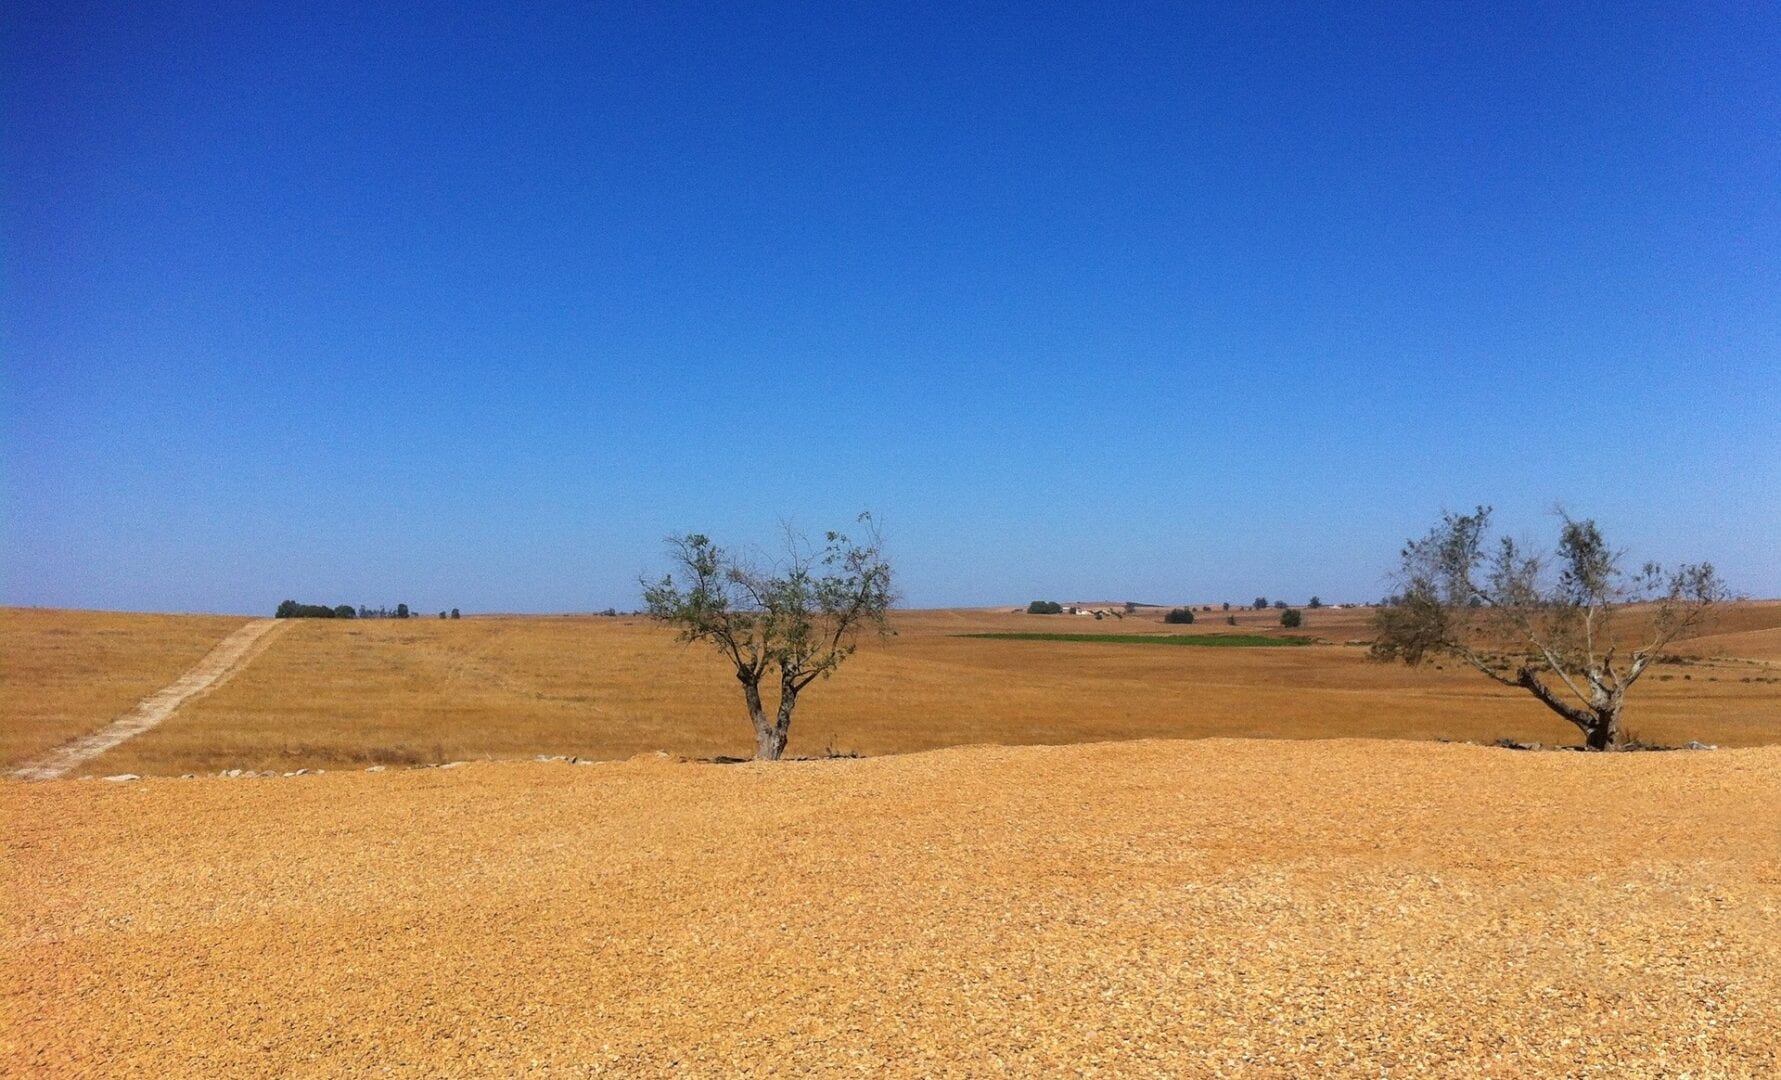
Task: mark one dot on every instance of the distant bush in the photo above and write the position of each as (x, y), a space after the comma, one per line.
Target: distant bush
(290, 609)
(401, 611)
(1227, 605)
(1290, 618)
(454, 613)
(1230, 620)
(1314, 604)
(1045, 607)
(1280, 605)
(1261, 602)
(1180, 615)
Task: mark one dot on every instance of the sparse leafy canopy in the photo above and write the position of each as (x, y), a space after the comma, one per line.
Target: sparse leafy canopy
(798, 620)
(1545, 624)
(1291, 618)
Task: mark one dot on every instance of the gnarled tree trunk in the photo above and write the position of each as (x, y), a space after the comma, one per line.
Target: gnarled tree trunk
(770, 745)
(769, 737)
(770, 733)
(1604, 732)
(1600, 723)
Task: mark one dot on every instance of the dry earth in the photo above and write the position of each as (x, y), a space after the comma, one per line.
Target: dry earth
(1217, 907)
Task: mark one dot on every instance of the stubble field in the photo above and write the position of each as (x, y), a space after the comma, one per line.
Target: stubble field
(1311, 903)
(333, 694)
(1188, 908)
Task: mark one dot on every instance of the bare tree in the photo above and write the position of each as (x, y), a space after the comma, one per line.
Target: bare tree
(798, 620)
(1545, 624)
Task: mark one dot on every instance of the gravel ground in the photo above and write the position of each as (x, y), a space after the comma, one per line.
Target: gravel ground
(1182, 908)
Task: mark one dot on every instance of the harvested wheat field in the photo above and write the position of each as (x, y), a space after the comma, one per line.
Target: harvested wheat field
(65, 673)
(340, 694)
(1205, 908)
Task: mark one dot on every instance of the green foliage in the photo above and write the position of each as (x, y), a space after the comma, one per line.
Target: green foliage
(454, 613)
(1314, 604)
(1214, 641)
(800, 619)
(1261, 602)
(1180, 615)
(1045, 607)
(290, 609)
(401, 611)
(1467, 599)
(1290, 618)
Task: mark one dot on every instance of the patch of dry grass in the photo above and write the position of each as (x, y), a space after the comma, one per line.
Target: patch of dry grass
(66, 673)
(345, 693)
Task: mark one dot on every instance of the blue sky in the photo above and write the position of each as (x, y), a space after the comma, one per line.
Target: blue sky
(364, 304)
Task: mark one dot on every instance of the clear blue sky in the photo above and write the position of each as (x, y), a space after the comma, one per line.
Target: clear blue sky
(353, 303)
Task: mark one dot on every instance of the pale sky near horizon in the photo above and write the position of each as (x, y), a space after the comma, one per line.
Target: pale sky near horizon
(470, 307)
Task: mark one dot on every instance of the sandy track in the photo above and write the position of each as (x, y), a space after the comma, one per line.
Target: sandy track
(216, 668)
(1205, 908)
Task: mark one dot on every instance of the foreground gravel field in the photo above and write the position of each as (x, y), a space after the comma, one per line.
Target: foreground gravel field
(1189, 908)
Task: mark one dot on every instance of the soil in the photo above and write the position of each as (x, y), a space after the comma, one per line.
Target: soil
(1204, 908)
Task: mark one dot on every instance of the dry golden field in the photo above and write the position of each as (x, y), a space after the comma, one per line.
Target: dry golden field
(1189, 908)
(352, 693)
(64, 673)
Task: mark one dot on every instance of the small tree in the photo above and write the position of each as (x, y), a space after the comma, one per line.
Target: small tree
(1045, 607)
(1261, 603)
(1227, 605)
(343, 611)
(454, 613)
(798, 620)
(1314, 604)
(1181, 615)
(401, 611)
(1291, 618)
(1544, 624)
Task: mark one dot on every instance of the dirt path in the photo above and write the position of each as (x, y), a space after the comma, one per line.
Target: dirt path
(218, 666)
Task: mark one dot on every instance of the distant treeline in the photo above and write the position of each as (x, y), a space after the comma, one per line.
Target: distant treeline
(290, 609)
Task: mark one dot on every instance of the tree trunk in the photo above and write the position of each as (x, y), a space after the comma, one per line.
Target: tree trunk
(772, 742)
(769, 743)
(1600, 723)
(769, 739)
(1603, 732)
